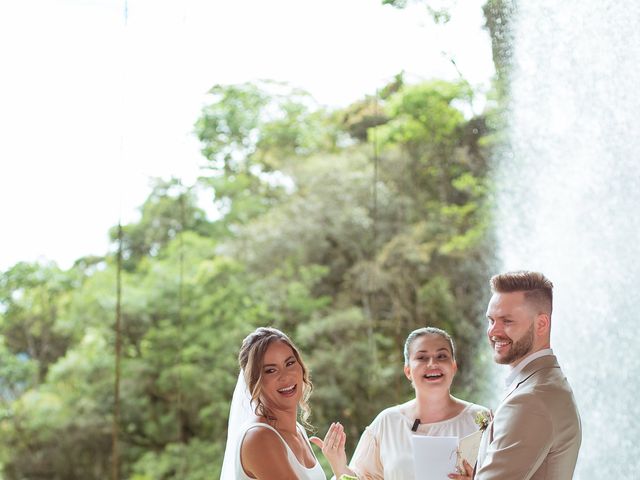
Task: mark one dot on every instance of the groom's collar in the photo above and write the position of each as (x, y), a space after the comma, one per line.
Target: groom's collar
(525, 361)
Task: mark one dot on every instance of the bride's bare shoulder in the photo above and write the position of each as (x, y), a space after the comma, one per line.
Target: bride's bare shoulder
(264, 455)
(261, 442)
(260, 435)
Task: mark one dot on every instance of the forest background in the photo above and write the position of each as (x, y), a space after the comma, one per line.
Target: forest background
(346, 228)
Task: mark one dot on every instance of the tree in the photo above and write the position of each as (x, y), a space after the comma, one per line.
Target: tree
(347, 229)
(32, 298)
(170, 209)
(250, 132)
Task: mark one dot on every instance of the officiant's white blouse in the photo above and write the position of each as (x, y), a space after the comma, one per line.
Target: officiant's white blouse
(384, 451)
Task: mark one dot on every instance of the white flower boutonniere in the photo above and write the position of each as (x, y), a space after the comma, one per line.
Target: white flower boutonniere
(483, 418)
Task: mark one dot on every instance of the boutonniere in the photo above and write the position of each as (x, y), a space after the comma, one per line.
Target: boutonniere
(483, 418)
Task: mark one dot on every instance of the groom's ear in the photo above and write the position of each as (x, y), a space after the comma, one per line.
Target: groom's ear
(542, 324)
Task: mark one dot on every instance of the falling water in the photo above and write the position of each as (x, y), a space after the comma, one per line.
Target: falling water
(568, 195)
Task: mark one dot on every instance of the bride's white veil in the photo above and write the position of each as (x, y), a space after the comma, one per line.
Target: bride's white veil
(240, 412)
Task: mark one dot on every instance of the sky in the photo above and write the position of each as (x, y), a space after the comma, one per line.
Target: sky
(94, 102)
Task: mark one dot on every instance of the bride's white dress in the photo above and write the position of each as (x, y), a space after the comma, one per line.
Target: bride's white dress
(302, 472)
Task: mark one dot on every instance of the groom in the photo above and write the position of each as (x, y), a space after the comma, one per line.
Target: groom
(536, 432)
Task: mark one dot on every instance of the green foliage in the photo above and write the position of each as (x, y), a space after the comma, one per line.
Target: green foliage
(185, 461)
(169, 210)
(345, 228)
(425, 112)
(344, 249)
(253, 135)
(438, 9)
(17, 372)
(61, 428)
(32, 298)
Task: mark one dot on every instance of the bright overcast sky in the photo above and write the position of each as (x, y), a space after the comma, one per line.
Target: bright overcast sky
(90, 109)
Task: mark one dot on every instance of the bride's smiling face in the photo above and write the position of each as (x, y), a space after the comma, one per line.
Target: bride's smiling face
(282, 377)
(431, 363)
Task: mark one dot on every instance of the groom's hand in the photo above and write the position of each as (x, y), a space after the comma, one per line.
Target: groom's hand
(468, 472)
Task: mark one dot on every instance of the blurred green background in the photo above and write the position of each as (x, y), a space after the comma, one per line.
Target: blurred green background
(346, 228)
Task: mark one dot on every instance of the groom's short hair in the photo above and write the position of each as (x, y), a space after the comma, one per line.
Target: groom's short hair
(538, 289)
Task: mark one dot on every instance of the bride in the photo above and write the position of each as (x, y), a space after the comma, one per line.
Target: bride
(265, 440)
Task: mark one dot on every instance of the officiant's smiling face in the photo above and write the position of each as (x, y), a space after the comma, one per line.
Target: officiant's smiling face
(282, 377)
(431, 362)
(511, 327)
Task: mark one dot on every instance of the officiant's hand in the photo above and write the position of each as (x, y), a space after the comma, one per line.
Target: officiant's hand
(468, 472)
(333, 448)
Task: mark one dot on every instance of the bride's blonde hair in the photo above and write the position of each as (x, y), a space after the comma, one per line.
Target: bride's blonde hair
(251, 359)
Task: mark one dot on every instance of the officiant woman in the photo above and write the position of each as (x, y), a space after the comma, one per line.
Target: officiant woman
(384, 451)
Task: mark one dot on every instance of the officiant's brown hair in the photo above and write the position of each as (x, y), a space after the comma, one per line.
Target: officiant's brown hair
(538, 289)
(251, 360)
(420, 332)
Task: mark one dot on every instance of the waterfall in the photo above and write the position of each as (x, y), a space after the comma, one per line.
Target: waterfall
(567, 201)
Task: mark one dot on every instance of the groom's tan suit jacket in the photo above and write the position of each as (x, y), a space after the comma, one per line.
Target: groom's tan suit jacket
(536, 432)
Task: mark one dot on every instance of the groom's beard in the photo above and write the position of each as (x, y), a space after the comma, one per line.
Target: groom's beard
(518, 349)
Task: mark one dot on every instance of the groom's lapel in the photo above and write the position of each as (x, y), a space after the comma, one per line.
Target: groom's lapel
(542, 363)
(485, 441)
(548, 361)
